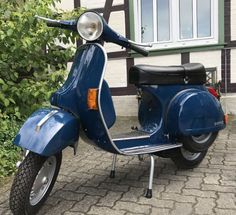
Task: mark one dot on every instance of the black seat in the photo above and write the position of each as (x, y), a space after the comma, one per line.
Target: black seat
(191, 73)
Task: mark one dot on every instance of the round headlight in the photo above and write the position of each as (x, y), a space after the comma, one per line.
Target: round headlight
(90, 26)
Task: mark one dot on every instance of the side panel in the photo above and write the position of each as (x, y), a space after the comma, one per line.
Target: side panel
(56, 133)
(88, 72)
(194, 112)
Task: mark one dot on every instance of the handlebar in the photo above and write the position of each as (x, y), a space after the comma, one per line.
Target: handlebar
(69, 25)
(138, 49)
(108, 34)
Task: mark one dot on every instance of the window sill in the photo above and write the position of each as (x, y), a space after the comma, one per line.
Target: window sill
(168, 51)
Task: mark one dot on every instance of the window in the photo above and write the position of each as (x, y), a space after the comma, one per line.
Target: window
(176, 23)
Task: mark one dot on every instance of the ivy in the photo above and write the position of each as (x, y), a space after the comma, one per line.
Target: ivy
(32, 65)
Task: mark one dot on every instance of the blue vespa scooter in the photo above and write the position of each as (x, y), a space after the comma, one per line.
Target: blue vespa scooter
(178, 117)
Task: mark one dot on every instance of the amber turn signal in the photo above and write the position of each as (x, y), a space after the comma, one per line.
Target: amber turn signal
(92, 99)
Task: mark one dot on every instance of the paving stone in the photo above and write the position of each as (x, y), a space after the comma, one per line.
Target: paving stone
(205, 206)
(60, 208)
(228, 183)
(68, 195)
(225, 211)
(160, 211)
(85, 204)
(114, 187)
(159, 203)
(199, 193)
(84, 186)
(182, 208)
(194, 182)
(211, 178)
(178, 197)
(207, 170)
(226, 200)
(105, 211)
(110, 199)
(73, 213)
(175, 187)
(219, 188)
(173, 177)
(132, 207)
(91, 191)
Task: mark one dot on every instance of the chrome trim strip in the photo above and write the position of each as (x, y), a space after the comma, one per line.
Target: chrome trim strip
(45, 119)
(124, 152)
(148, 150)
(99, 101)
(47, 19)
(131, 138)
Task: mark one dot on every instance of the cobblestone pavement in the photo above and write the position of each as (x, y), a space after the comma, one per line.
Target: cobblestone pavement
(84, 186)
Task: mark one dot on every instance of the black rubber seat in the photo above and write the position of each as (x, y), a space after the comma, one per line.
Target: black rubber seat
(191, 73)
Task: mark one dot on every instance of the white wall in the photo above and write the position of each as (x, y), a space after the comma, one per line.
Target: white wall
(117, 23)
(125, 105)
(65, 5)
(228, 103)
(116, 74)
(208, 59)
(166, 60)
(233, 20)
(90, 4)
(233, 65)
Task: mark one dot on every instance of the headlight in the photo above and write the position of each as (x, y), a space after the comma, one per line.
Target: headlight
(90, 26)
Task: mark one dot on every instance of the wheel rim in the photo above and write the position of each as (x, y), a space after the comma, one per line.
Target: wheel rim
(203, 138)
(189, 155)
(43, 180)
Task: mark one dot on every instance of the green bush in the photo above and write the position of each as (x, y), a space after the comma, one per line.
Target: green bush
(32, 66)
(9, 154)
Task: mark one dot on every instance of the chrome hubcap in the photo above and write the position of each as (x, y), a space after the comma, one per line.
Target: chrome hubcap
(201, 138)
(189, 155)
(43, 180)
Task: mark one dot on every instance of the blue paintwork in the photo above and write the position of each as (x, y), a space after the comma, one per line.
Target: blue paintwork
(73, 94)
(165, 111)
(170, 111)
(194, 112)
(60, 131)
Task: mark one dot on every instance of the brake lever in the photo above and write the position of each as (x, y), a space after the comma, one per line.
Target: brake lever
(47, 19)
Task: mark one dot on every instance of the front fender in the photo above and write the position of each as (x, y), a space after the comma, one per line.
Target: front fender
(48, 131)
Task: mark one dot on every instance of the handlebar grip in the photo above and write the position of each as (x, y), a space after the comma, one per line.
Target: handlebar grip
(54, 24)
(140, 50)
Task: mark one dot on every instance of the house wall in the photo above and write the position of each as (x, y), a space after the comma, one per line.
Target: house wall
(224, 60)
(208, 59)
(233, 20)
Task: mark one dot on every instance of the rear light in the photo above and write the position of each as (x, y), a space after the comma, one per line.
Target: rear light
(213, 92)
(92, 99)
(226, 119)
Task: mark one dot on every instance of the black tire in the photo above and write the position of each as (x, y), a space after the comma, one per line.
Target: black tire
(199, 143)
(182, 161)
(20, 203)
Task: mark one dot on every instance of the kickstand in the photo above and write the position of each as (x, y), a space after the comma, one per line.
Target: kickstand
(149, 189)
(112, 174)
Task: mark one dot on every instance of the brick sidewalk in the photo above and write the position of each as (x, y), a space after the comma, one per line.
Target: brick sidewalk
(84, 186)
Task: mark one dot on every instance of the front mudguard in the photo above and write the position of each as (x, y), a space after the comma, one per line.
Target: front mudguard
(48, 131)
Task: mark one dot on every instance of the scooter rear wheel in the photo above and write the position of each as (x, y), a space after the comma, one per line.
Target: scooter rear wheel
(33, 183)
(185, 159)
(199, 143)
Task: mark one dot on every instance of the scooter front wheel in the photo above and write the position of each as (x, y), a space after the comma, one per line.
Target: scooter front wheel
(185, 159)
(33, 183)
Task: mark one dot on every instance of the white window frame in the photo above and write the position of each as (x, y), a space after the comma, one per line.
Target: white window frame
(175, 41)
